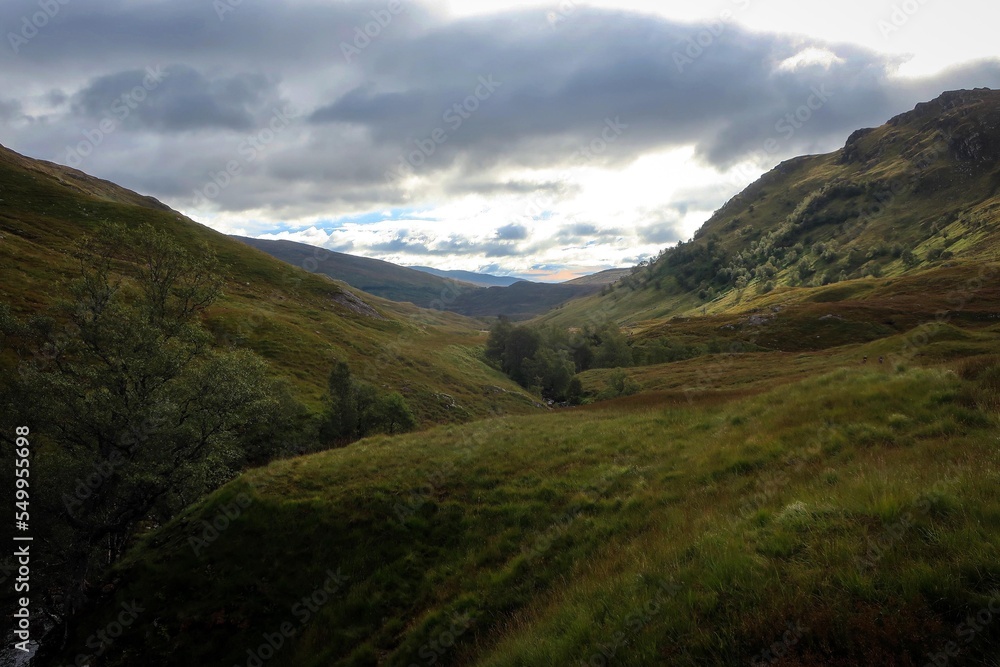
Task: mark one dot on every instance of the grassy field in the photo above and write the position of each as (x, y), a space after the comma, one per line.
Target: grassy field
(845, 519)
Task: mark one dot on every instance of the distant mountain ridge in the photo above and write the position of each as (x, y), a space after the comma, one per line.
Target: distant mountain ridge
(520, 299)
(374, 276)
(480, 279)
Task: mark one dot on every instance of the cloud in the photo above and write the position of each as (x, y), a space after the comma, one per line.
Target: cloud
(512, 232)
(503, 110)
(178, 98)
(10, 110)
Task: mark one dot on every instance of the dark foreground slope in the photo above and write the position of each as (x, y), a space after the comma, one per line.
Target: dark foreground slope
(844, 520)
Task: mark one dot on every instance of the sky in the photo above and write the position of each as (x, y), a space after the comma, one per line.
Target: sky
(544, 140)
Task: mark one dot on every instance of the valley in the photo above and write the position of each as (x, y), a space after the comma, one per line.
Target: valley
(791, 458)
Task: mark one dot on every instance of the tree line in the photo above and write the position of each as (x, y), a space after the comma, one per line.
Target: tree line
(547, 360)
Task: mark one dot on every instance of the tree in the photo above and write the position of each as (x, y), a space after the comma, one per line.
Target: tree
(133, 416)
(356, 409)
(613, 350)
(521, 346)
(496, 343)
(392, 415)
(550, 372)
(342, 413)
(622, 384)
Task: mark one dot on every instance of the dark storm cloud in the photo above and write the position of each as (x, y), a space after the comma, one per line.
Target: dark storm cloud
(405, 243)
(512, 232)
(282, 33)
(178, 98)
(555, 97)
(582, 232)
(459, 101)
(659, 233)
(10, 110)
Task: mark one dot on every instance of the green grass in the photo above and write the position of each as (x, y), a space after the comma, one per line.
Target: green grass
(664, 534)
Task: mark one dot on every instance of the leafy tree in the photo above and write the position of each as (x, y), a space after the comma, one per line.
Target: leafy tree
(393, 414)
(582, 353)
(622, 384)
(356, 409)
(133, 416)
(521, 346)
(614, 350)
(342, 421)
(496, 343)
(550, 371)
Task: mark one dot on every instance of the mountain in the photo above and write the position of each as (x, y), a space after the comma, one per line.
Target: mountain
(480, 279)
(520, 300)
(384, 279)
(298, 321)
(919, 195)
(606, 277)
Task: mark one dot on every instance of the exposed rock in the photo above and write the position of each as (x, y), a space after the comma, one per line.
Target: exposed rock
(356, 305)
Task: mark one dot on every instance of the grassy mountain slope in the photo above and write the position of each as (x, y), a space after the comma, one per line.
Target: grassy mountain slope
(384, 279)
(854, 508)
(298, 321)
(919, 194)
(519, 300)
(481, 279)
(601, 278)
(522, 300)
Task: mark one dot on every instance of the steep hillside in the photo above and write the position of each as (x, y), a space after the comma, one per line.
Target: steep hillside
(602, 278)
(298, 321)
(389, 281)
(919, 194)
(843, 520)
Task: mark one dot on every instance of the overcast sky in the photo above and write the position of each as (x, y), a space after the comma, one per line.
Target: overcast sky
(542, 139)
